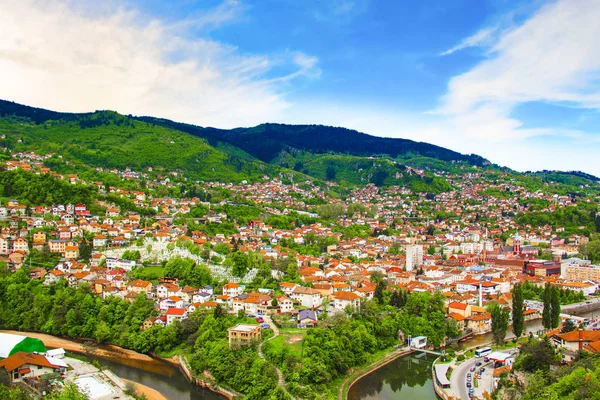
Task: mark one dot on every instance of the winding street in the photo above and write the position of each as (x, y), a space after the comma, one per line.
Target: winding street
(281, 379)
(458, 379)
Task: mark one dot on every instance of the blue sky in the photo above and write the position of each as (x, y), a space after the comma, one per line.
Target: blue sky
(516, 82)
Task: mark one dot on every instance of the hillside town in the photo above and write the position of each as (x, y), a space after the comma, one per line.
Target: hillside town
(295, 255)
(402, 238)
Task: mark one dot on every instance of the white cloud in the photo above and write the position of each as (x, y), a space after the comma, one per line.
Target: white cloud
(54, 55)
(481, 37)
(554, 57)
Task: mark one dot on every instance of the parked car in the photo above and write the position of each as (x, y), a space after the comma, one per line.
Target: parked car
(260, 320)
(479, 363)
(468, 384)
(264, 325)
(472, 369)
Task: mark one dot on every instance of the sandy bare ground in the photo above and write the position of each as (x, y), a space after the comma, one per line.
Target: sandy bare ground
(150, 393)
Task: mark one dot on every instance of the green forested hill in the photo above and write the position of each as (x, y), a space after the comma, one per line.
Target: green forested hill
(111, 140)
(266, 141)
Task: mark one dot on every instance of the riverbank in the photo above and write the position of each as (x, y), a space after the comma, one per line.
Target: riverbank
(380, 362)
(109, 351)
(129, 358)
(150, 393)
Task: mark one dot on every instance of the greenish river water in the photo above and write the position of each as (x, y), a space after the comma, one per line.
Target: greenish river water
(407, 377)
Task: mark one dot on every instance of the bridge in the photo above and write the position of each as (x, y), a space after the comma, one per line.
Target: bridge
(435, 353)
(466, 335)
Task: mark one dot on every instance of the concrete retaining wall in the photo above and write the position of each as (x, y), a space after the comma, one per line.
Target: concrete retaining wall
(580, 308)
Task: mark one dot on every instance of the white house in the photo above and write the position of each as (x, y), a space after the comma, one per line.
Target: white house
(29, 365)
(285, 304)
(341, 300)
(171, 302)
(175, 314)
(308, 297)
(114, 263)
(587, 288)
(467, 285)
(201, 297)
(233, 289)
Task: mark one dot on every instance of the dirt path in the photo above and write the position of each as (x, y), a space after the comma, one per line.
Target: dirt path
(280, 378)
(150, 393)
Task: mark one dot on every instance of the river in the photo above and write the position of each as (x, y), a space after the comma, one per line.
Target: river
(409, 377)
(161, 376)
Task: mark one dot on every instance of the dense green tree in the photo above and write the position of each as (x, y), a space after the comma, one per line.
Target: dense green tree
(555, 308)
(568, 326)
(500, 320)
(591, 250)
(68, 392)
(546, 312)
(222, 248)
(102, 333)
(518, 312)
(379, 292)
(535, 355)
(239, 263)
(131, 255)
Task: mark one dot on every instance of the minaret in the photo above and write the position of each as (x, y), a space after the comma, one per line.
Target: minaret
(480, 295)
(517, 244)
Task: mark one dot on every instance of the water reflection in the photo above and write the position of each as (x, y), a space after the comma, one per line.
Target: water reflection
(410, 375)
(159, 375)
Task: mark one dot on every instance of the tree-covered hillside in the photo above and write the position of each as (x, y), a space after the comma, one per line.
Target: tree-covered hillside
(355, 170)
(110, 140)
(266, 141)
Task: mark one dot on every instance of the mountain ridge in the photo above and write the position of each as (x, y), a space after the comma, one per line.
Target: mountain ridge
(275, 137)
(322, 152)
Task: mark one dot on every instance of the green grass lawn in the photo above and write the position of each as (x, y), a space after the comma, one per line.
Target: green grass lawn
(292, 331)
(510, 344)
(153, 273)
(290, 338)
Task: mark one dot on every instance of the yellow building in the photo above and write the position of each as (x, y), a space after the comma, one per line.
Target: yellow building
(243, 334)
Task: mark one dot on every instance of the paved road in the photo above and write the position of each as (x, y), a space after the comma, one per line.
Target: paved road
(458, 379)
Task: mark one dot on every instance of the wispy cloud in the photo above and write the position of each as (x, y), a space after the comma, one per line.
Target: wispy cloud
(339, 11)
(226, 12)
(478, 39)
(554, 56)
(54, 55)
